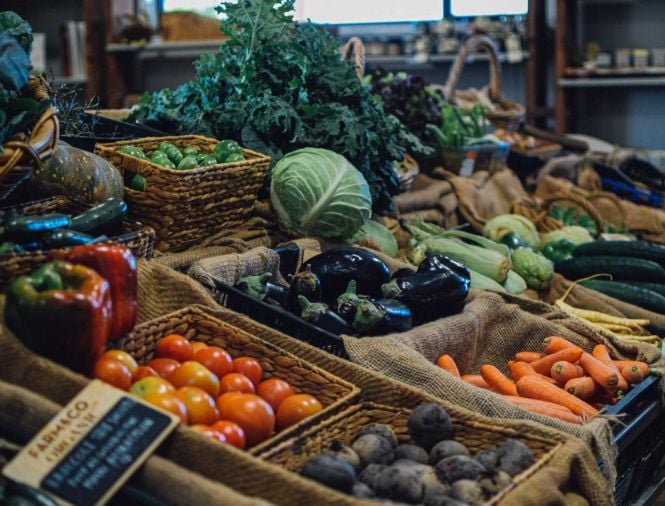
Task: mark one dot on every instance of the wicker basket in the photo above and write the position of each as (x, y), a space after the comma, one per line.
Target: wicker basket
(186, 206)
(476, 436)
(136, 237)
(334, 393)
(503, 113)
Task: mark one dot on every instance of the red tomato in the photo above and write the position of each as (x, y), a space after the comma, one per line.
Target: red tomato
(193, 374)
(210, 432)
(168, 402)
(296, 408)
(144, 371)
(233, 433)
(274, 391)
(216, 360)
(197, 346)
(123, 357)
(224, 398)
(164, 366)
(175, 347)
(113, 372)
(249, 367)
(253, 414)
(201, 408)
(235, 382)
(151, 385)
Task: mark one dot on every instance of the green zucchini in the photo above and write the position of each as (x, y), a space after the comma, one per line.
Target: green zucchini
(654, 287)
(104, 218)
(28, 228)
(64, 237)
(631, 294)
(634, 249)
(622, 269)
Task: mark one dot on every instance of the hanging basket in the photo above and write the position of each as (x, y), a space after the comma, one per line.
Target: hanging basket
(354, 51)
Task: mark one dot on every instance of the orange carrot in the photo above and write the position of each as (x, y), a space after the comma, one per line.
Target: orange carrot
(535, 388)
(641, 365)
(497, 380)
(553, 344)
(520, 369)
(583, 388)
(603, 375)
(632, 374)
(476, 380)
(545, 408)
(544, 365)
(601, 353)
(563, 371)
(528, 356)
(447, 363)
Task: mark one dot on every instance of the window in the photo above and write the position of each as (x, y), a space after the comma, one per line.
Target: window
(368, 11)
(463, 8)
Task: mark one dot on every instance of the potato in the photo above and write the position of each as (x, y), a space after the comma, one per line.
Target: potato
(373, 449)
(444, 449)
(428, 424)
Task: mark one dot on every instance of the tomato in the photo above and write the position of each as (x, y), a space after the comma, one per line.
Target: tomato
(224, 398)
(210, 432)
(249, 367)
(144, 371)
(198, 346)
(123, 357)
(193, 374)
(175, 347)
(168, 402)
(253, 414)
(164, 366)
(113, 372)
(233, 433)
(201, 408)
(151, 385)
(296, 408)
(274, 391)
(216, 360)
(235, 382)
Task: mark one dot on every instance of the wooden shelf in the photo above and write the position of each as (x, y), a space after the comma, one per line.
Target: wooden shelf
(611, 82)
(615, 72)
(70, 79)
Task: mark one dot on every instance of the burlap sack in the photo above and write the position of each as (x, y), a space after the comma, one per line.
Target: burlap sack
(429, 199)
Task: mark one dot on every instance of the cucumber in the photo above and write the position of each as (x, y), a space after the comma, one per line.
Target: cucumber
(64, 237)
(634, 249)
(28, 228)
(631, 294)
(654, 287)
(104, 218)
(622, 269)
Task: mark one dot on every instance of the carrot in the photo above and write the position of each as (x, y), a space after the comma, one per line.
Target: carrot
(603, 375)
(563, 371)
(632, 374)
(641, 365)
(544, 365)
(545, 408)
(601, 353)
(497, 380)
(520, 369)
(535, 388)
(528, 356)
(447, 363)
(583, 388)
(476, 380)
(553, 344)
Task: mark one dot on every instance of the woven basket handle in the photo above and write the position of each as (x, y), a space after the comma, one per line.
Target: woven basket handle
(581, 202)
(477, 42)
(615, 200)
(355, 48)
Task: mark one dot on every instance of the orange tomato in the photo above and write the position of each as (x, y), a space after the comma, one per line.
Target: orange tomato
(144, 371)
(198, 346)
(252, 414)
(216, 360)
(233, 433)
(123, 357)
(201, 408)
(296, 408)
(151, 385)
(168, 402)
(175, 347)
(274, 391)
(249, 367)
(113, 372)
(193, 374)
(164, 366)
(224, 398)
(210, 432)
(235, 382)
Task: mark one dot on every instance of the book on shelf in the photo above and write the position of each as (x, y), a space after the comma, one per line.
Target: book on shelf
(72, 49)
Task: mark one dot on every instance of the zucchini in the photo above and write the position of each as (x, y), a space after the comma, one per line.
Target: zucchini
(28, 228)
(634, 249)
(631, 294)
(654, 287)
(104, 218)
(622, 269)
(64, 237)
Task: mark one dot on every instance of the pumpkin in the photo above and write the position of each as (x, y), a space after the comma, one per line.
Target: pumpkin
(81, 175)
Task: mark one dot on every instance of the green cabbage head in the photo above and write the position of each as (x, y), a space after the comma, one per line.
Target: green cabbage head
(316, 191)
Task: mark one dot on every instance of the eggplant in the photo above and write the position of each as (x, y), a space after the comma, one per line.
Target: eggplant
(305, 283)
(347, 303)
(260, 287)
(384, 316)
(430, 295)
(289, 258)
(442, 263)
(337, 266)
(403, 273)
(318, 313)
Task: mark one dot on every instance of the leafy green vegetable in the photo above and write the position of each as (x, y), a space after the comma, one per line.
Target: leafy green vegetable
(458, 128)
(374, 234)
(499, 226)
(14, 25)
(536, 270)
(277, 86)
(316, 191)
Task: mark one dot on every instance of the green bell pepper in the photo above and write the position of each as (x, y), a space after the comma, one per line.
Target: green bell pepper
(225, 148)
(558, 251)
